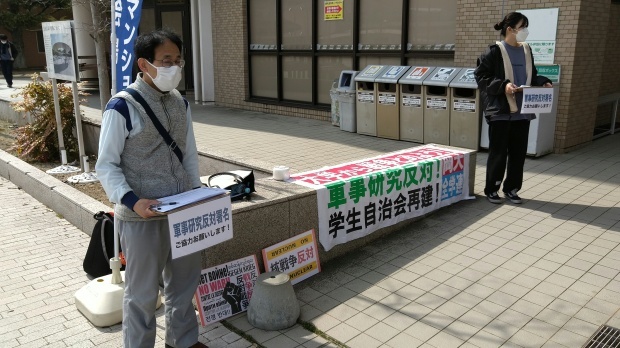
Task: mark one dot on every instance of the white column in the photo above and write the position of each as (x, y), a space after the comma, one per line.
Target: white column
(83, 23)
(197, 65)
(207, 78)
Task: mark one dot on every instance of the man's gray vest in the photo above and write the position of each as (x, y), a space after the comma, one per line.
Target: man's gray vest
(150, 167)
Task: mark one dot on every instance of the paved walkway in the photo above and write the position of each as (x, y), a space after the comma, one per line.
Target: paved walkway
(545, 273)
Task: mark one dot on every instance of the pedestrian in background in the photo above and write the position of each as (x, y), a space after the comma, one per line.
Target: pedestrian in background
(501, 71)
(8, 53)
(136, 167)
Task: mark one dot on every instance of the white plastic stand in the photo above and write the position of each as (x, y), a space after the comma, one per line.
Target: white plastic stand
(101, 300)
(86, 177)
(63, 168)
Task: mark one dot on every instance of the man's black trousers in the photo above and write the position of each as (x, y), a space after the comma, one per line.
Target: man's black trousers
(7, 71)
(507, 149)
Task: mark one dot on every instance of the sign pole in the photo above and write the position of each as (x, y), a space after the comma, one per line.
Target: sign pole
(61, 141)
(78, 121)
(86, 176)
(63, 168)
(113, 46)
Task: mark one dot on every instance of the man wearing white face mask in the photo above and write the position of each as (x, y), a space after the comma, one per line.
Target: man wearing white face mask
(136, 166)
(501, 70)
(8, 53)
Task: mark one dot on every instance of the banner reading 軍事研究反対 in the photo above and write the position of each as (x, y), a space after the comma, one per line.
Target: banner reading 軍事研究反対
(358, 198)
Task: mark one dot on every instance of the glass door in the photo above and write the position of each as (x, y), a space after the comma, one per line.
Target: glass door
(177, 19)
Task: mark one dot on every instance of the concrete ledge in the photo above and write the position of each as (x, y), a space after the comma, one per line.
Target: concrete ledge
(65, 200)
(277, 211)
(7, 113)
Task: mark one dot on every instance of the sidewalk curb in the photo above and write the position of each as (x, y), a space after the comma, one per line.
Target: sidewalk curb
(73, 205)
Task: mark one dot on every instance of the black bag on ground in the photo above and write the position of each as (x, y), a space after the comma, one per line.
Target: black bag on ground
(239, 182)
(101, 246)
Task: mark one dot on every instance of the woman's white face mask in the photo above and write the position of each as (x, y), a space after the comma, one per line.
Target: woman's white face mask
(167, 79)
(522, 34)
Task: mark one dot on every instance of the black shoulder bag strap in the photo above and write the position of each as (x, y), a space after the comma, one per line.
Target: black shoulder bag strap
(160, 128)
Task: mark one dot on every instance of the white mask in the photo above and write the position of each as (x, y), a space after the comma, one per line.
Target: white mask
(522, 35)
(3, 41)
(167, 79)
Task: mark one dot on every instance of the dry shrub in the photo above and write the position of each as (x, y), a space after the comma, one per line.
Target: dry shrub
(38, 140)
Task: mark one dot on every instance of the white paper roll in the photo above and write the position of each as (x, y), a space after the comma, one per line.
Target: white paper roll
(281, 173)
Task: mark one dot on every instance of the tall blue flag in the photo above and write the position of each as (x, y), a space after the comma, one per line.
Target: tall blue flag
(126, 20)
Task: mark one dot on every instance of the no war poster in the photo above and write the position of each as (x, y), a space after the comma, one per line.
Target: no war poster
(358, 198)
(226, 289)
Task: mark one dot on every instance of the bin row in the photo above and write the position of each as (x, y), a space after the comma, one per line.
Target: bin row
(422, 104)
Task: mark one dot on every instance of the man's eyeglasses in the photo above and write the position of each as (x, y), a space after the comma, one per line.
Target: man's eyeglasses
(166, 63)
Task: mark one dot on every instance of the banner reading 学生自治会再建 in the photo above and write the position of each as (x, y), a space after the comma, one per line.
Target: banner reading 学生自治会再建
(358, 198)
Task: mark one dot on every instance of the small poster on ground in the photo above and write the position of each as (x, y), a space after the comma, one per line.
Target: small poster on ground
(226, 289)
(297, 256)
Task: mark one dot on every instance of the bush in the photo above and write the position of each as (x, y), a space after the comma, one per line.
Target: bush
(38, 140)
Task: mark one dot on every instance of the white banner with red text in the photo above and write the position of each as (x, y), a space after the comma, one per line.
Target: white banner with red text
(358, 198)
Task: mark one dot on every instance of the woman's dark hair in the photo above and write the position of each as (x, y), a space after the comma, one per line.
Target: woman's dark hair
(511, 20)
(146, 43)
(3, 37)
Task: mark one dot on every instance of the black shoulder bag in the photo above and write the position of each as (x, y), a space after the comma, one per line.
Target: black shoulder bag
(101, 246)
(160, 128)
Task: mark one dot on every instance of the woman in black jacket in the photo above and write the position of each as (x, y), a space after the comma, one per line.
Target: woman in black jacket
(501, 70)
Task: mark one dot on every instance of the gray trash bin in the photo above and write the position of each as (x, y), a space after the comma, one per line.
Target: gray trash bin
(346, 97)
(388, 112)
(411, 105)
(366, 99)
(465, 113)
(436, 105)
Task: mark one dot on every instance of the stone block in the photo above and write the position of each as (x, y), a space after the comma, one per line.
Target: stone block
(88, 210)
(253, 230)
(304, 214)
(67, 202)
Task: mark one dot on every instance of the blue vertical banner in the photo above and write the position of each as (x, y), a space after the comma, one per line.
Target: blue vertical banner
(126, 20)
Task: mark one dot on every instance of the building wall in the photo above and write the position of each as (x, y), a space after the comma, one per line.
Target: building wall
(34, 59)
(586, 41)
(580, 51)
(610, 77)
(231, 65)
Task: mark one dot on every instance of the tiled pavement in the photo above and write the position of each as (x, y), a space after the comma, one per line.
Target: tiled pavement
(545, 273)
(41, 269)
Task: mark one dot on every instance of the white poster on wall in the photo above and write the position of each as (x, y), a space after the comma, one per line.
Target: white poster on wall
(60, 53)
(543, 25)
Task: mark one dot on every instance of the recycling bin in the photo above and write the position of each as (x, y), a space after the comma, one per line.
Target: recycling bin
(346, 99)
(465, 115)
(366, 97)
(436, 105)
(388, 112)
(412, 97)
